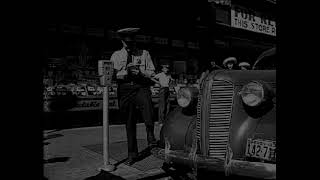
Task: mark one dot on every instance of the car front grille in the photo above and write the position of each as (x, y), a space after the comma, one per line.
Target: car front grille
(198, 123)
(219, 117)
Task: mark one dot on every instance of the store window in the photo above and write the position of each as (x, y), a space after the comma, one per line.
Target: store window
(179, 67)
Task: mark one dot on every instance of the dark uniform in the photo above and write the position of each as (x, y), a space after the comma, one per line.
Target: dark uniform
(134, 92)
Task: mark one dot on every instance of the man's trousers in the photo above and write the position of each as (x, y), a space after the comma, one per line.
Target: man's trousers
(134, 96)
(164, 104)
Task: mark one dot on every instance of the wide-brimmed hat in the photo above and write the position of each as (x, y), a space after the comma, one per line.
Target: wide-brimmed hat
(229, 59)
(127, 31)
(244, 64)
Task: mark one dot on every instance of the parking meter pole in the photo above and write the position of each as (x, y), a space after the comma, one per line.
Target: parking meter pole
(107, 166)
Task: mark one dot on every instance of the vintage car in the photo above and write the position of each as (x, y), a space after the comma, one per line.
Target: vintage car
(227, 127)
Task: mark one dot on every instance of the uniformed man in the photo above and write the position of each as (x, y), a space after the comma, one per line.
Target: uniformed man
(229, 63)
(244, 65)
(134, 69)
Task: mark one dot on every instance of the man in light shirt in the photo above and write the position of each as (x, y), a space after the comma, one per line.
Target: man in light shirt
(134, 69)
(164, 79)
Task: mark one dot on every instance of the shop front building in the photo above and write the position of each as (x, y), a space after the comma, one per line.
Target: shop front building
(242, 29)
(226, 28)
(73, 52)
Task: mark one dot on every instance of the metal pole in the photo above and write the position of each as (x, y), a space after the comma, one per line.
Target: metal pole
(107, 166)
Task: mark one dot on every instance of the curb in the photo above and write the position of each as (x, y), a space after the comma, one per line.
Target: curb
(95, 127)
(150, 173)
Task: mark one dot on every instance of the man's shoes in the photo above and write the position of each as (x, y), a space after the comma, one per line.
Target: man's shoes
(131, 160)
(151, 139)
(150, 136)
(152, 143)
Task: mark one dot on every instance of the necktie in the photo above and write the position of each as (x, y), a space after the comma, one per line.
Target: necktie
(129, 57)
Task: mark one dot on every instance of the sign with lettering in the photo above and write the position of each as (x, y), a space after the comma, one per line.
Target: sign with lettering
(71, 28)
(177, 43)
(248, 20)
(159, 40)
(84, 105)
(143, 38)
(105, 71)
(193, 45)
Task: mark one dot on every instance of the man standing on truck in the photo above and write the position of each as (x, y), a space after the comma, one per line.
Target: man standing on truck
(134, 69)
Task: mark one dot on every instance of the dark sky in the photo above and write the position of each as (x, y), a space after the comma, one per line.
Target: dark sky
(174, 14)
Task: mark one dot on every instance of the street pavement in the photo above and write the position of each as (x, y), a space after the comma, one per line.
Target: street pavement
(67, 154)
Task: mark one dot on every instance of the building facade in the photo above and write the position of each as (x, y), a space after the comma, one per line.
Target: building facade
(242, 29)
(222, 28)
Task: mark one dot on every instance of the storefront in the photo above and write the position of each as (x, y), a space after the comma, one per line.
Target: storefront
(71, 85)
(242, 29)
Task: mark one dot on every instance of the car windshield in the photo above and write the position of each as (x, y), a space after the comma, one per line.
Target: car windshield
(267, 61)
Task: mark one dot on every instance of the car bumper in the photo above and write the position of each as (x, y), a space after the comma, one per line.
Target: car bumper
(234, 167)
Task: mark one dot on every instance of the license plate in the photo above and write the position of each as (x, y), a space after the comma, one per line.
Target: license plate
(262, 149)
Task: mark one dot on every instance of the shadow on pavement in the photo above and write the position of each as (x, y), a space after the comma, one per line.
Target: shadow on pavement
(57, 159)
(142, 155)
(158, 176)
(46, 143)
(52, 136)
(104, 176)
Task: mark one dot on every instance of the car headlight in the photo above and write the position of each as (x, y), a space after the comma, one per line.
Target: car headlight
(252, 93)
(184, 97)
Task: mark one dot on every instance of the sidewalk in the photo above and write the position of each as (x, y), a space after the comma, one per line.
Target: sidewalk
(76, 154)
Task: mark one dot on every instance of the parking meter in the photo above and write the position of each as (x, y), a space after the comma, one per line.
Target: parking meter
(105, 71)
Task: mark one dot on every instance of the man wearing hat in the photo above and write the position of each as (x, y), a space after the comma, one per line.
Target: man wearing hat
(134, 69)
(229, 63)
(244, 65)
(164, 79)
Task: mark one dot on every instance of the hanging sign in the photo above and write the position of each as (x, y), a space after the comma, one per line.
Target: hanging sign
(249, 20)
